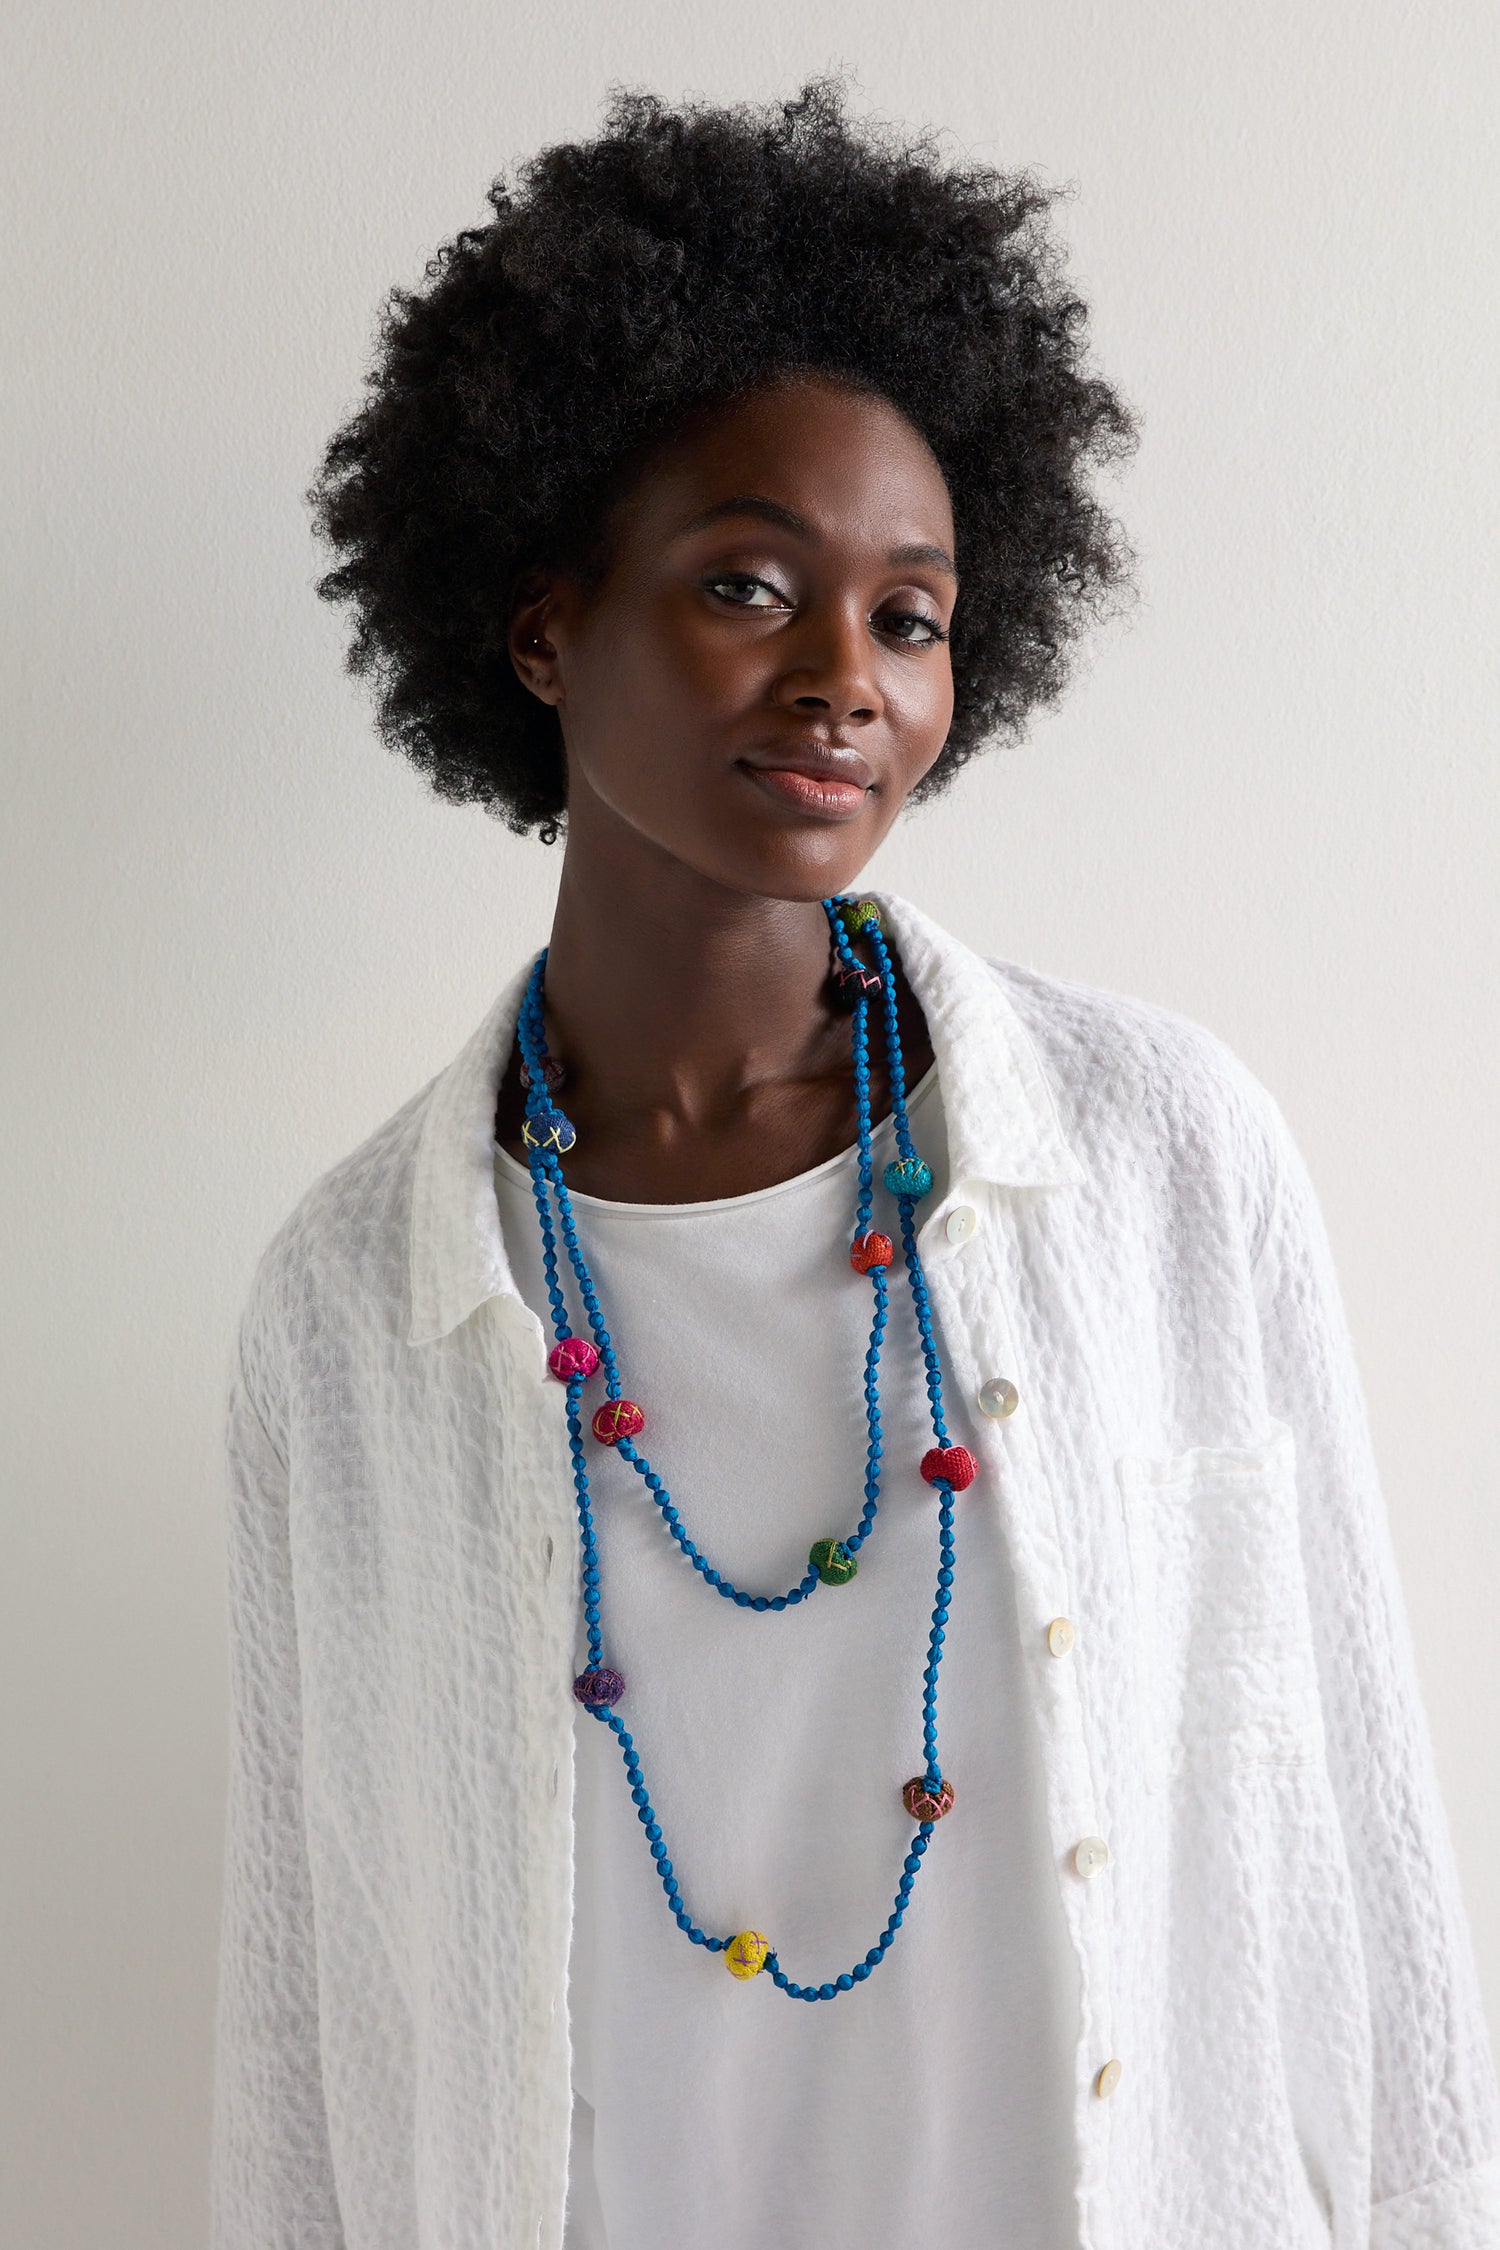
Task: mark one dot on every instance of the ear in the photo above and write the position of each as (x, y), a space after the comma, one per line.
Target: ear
(534, 601)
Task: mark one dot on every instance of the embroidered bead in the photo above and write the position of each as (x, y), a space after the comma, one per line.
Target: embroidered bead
(867, 1250)
(599, 1689)
(954, 1463)
(617, 1418)
(907, 1175)
(554, 1074)
(745, 1956)
(550, 1130)
(851, 985)
(832, 1561)
(858, 914)
(920, 1801)
(573, 1355)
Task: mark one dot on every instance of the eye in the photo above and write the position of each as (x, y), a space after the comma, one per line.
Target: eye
(936, 631)
(744, 578)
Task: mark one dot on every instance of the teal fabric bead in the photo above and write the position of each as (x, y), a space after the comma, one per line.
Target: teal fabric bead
(908, 1175)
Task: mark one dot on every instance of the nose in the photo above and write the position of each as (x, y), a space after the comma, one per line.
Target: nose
(830, 665)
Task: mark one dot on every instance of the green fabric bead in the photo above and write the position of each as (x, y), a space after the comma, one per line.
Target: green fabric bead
(832, 1561)
(858, 914)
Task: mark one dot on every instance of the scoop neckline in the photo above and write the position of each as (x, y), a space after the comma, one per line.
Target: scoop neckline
(845, 1158)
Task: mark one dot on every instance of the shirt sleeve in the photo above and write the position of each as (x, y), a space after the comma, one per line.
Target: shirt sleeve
(272, 2184)
(1435, 2131)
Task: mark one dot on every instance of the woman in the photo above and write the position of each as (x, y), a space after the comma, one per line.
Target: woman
(802, 1451)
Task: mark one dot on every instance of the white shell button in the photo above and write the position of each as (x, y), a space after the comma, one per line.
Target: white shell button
(997, 1398)
(1060, 1635)
(1090, 1855)
(1109, 2077)
(960, 1223)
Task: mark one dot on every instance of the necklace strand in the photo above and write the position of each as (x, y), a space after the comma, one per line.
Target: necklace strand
(547, 1135)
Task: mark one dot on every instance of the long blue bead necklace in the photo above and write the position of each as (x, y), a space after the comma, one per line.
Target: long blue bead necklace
(548, 1136)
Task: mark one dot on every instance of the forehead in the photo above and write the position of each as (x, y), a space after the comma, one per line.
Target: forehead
(848, 461)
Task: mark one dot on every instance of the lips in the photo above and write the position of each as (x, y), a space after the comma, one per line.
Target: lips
(827, 778)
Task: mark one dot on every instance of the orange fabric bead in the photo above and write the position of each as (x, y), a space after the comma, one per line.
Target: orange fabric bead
(867, 1250)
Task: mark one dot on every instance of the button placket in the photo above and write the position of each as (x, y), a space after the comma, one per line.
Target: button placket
(970, 1296)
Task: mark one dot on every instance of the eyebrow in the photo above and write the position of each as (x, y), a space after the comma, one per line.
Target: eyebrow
(788, 519)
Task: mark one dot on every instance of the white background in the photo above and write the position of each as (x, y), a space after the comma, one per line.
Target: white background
(239, 932)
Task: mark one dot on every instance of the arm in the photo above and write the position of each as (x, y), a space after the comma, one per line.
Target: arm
(272, 2185)
(1436, 2126)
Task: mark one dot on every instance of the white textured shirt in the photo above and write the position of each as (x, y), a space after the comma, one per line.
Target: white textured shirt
(714, 2115)
(1279, 2038)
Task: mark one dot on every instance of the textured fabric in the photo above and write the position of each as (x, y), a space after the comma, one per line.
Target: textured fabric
(1275, 1954)
(775, 1748)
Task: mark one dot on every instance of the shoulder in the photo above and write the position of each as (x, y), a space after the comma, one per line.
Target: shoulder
(1141, 1084)
(340, 1248)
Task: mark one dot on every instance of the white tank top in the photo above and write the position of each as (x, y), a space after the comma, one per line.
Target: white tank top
(933, 2102)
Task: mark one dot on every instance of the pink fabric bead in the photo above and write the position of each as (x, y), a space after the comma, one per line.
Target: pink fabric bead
(572, 1355)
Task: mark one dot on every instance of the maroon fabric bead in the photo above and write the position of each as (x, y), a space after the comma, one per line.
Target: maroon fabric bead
(554, 1072)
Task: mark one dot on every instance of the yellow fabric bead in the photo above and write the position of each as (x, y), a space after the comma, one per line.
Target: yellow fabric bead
(745, 1956)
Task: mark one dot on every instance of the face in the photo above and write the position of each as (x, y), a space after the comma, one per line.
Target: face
(763, 676)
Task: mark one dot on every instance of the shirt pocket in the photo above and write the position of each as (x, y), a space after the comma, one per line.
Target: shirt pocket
(1226, 1666)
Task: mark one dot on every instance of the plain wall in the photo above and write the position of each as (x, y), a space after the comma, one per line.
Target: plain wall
(239, 932)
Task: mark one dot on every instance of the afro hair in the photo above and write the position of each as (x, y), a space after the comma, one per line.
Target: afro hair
(628, 282)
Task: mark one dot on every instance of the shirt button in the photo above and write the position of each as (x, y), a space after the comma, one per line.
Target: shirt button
(1060, 1635)
(1090, 1855)
(1109, 2077)
(547, 1549)
(960, 1223)
(997, 1398)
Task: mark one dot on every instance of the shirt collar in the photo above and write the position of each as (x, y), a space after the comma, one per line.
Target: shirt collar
(1002, 1117)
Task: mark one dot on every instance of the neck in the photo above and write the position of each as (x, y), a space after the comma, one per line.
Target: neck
(669, 991)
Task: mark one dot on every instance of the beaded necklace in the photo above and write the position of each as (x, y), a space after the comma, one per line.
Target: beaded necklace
(618, 1421)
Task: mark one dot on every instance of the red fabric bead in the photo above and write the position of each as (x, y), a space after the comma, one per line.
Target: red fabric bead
(572, 1355)
(617, 1418)
(921, 1803)
(954, 1462)
(868, 1250)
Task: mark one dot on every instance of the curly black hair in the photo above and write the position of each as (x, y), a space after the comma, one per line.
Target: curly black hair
(626, 284)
